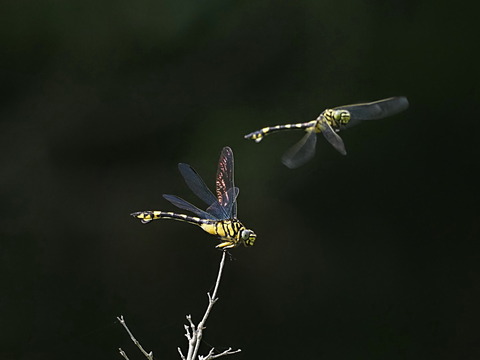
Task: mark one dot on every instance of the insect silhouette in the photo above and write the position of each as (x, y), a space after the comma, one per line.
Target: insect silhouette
(329, 123)
(220, 218)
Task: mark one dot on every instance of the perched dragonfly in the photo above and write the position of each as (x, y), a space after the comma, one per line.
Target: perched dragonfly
(220, 218)
(329, 123)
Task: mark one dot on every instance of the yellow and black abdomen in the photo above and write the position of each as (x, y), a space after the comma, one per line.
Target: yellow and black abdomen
(147, 216)
(230, 231)
(259, 134)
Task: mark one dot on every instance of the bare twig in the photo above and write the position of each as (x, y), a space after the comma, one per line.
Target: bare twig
(181, 354)
(210, 355)
(194, 333)
(123, 354)
(149, 355)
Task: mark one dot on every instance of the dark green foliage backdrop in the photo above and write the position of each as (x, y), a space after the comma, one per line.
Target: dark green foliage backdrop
(369, 256)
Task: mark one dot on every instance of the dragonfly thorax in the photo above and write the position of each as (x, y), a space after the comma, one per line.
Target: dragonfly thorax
(231, 232)
(336, 118)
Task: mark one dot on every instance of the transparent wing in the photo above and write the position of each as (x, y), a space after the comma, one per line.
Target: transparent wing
(301, 152)
(230, 210)
(196, 184)
(183, 204)
(374, 110)
(332, 137)
(224, 184)
(233, 207)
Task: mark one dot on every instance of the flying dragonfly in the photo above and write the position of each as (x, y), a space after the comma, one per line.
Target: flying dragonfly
(329, 123)
(220, 218)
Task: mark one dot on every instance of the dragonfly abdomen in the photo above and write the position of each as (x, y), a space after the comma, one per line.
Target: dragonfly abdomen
(147, 216)
(259, 134)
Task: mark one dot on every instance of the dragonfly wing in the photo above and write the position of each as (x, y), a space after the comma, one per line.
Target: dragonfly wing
(374, 110)
(196, 184)
(224, 184)
(231, 206)
(183, 204)
(217, 210)
(230, 210)
(301, 152)
(333, 138)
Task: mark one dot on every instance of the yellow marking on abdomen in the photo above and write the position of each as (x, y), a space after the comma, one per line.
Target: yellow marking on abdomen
(260, 134)
(209, 228)
(147, 216)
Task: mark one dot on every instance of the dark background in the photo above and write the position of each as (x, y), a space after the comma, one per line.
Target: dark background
(368, 256)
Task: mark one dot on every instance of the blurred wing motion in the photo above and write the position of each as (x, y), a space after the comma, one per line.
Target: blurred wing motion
(329, 123)
(332, 137)
(374, 110)
(301, 152)
(220, 218)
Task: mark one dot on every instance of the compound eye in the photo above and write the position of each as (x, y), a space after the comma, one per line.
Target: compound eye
(337, 115)
(245, 234)
(248, 237)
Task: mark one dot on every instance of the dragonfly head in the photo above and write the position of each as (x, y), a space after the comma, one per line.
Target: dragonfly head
(341, 116)
(248, 237)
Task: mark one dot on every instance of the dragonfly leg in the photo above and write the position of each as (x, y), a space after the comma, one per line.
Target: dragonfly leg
(226, 245)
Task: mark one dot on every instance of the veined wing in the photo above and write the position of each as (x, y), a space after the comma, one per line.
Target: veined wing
(229, 211)
(374, 110)
(332, 137)
(198, 187)
(224, 183)
(301, 152)
(196, 184)
(183, 204)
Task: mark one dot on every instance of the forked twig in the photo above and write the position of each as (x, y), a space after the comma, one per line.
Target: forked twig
(193, 332)
(211, 355)
(149, 355)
